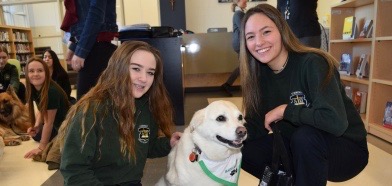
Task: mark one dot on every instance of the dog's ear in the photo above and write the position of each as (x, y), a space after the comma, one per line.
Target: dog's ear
(11, 91)
(197, 119)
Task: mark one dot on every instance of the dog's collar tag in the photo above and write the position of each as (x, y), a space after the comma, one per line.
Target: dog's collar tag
(193, 157)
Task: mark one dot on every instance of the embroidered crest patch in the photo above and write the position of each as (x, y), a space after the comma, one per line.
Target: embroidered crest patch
(298, 98)
(144, 133)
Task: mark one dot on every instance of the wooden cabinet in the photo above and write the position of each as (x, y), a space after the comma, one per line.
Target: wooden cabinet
(18, 41)
(379, 83)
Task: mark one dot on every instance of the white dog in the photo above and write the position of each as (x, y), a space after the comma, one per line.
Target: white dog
(208, 152)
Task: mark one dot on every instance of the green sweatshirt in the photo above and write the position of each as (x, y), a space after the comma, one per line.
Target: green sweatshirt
(101, 162)
(299, 85)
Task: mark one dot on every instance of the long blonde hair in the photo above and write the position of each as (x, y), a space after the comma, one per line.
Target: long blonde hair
(250, 67)
(114, 84)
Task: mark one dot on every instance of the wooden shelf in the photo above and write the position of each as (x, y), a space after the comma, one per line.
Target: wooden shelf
(379, 84)
(380, 131)
(353, 3)
(360, 40)
(384, 82)
(20, 39)
(355, 79)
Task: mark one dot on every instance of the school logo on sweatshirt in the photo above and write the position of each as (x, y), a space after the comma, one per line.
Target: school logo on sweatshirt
(298, 98)
(144, 133)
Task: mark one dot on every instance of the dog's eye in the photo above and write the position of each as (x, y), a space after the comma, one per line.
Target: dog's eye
(221, 118)
(240, 117)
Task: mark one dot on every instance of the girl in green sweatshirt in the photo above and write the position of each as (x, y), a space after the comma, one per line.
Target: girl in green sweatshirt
(125, 119)
(299, 89)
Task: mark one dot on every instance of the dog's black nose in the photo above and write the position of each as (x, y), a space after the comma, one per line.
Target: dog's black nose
(241, 131)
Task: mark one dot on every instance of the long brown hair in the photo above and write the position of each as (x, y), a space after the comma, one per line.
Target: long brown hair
(30, 89)
(114, 84)
(250, 67)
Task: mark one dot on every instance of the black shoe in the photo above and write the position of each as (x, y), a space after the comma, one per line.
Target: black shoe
(226, 87)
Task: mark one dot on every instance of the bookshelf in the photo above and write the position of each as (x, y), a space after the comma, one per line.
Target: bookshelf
(19, 43)
(379, 83)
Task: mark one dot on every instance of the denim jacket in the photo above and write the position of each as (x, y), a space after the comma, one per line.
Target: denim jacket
(94, 16)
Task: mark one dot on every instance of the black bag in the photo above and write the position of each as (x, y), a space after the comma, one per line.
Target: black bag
(272, 176)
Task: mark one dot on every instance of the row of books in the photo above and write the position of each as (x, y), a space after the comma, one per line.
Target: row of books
(351, 30)
(350, 67)
(359, 99)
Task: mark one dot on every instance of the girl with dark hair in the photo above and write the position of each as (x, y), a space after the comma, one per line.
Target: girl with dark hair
(57, 72)
(297, 88)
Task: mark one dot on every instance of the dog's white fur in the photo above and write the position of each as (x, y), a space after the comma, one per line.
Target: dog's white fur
(202, 131)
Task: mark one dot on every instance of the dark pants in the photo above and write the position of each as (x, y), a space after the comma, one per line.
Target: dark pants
(316, 156)
(95, 63)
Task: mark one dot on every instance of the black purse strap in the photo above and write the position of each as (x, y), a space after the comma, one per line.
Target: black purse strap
(279, 152)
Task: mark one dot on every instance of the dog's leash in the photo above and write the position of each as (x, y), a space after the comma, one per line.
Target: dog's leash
(12, 128)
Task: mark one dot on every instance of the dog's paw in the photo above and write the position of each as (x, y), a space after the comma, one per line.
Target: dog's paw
(25, 137)
(13, 142)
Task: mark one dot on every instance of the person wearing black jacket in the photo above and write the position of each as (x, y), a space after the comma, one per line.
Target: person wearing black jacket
(9, 76)
(301, 15)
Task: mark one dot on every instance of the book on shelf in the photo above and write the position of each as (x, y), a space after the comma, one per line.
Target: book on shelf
(360, 100)
(363, 66)
(387, 121)
(367, 29)
(346, 66)
(349, 28)
(350, 92)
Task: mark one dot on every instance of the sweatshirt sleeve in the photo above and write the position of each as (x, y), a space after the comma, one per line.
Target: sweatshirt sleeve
(76, 164)
(159, 147)
(255, 127)
(325, 110)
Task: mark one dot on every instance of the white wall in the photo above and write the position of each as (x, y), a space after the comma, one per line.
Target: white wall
(45, 21)
(141, 11)
(324, 11)
(204, 14)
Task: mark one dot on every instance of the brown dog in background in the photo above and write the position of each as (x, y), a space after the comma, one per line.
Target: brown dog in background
(14, 119)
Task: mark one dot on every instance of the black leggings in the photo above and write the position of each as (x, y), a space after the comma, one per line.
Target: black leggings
(317, 156)
(95, 63)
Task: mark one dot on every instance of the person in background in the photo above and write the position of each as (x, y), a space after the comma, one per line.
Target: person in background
(112, 130)
(238, 7)
(297, 88)
(51, 101)
(92, 29)
(9, 76)
(301, 15)
(57, 72)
